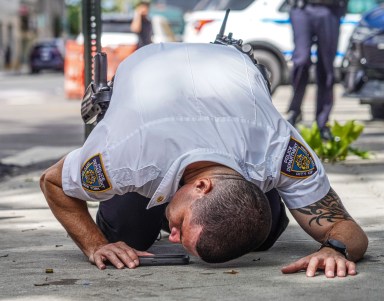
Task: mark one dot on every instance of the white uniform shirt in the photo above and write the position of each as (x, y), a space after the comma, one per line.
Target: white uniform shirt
(174, 104)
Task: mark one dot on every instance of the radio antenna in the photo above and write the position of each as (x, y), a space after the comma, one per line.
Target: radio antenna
(222, 29)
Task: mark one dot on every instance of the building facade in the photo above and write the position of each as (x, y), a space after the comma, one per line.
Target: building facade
(22, 23)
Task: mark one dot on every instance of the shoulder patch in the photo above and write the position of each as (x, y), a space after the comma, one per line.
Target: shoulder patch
(298, 161)
(93, 175)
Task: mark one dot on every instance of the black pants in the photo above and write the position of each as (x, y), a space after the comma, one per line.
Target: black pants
(125, 218)
(279, 220)
(320, 22)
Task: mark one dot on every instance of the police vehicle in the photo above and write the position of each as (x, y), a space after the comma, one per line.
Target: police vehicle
(363, 64)
(266, 26)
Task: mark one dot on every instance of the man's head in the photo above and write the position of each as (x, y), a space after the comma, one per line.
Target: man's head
(138, 3)
(219, 218)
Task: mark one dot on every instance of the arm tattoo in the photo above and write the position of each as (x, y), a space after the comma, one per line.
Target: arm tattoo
(328, 208)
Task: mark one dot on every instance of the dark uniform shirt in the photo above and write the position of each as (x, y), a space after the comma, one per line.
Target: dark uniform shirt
(145, 35)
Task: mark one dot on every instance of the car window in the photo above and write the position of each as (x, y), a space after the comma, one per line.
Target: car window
(361, 6)
(223, 4)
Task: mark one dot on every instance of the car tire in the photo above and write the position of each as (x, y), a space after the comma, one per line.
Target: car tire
(272, 63)
(377, 110)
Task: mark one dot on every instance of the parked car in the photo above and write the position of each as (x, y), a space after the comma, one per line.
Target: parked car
(46, 55)
(266, 26)
(363, 64)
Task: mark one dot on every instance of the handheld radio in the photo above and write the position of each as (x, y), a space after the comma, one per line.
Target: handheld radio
(244, 48)
(98, 93)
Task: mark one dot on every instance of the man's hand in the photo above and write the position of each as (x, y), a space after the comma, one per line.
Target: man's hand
(119, 254)
(142, 10)
(73, 214)
(332, 262)
(328, 219)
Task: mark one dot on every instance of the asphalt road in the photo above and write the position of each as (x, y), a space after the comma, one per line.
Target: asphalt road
(36, 121)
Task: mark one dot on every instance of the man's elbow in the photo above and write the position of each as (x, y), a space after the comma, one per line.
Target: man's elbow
(46, 179)
(359, 245)
(50, 180)
(364, 243)
(42, 181)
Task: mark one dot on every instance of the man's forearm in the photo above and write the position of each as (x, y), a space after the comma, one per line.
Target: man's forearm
(136, 24)
(327, 218)
(73, 214)
(352, 236)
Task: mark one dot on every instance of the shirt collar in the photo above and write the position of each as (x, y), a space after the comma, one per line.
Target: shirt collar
(170, 183)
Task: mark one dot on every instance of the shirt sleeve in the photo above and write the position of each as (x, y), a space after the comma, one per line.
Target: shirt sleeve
(302, 180)
(85, 172)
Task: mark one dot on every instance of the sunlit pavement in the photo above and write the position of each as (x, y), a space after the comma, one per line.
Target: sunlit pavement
(31, 241)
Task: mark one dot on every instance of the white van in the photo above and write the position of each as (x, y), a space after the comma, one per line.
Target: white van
(264, 24)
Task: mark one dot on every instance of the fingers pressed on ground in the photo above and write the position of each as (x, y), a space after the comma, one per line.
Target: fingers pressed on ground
(330, 266)
(295, 267)
(312, 267)
(351, 266)
(133, 258)
(112, 258)
(341, 268)
(99, 261)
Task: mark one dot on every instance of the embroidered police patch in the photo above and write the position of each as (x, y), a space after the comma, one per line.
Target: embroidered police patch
(298, 161)
(93, 176)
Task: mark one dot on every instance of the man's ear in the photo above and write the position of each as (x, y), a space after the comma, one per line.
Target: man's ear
(203, 185)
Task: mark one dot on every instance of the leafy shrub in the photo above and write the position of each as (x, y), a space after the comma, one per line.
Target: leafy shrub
(338, 148)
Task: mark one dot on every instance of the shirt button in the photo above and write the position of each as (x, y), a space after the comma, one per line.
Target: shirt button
(160, 199)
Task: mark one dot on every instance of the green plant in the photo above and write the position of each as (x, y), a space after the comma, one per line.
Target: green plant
(339, 147)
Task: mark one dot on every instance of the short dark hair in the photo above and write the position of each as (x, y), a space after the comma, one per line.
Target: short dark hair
(235, 217)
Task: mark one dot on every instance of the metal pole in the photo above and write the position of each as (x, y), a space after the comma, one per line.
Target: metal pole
(91, 21)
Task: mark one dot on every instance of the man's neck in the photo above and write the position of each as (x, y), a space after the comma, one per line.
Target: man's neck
(205, 169)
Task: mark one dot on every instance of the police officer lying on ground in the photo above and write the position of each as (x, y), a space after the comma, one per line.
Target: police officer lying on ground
(192, 126)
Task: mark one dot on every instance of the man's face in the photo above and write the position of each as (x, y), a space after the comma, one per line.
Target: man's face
(143, 9)
(179, 215)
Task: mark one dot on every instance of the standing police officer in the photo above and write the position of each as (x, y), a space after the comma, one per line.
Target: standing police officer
(315, 21)
(141, 23)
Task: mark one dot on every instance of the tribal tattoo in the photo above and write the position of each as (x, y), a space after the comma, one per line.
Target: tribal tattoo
(328, 208)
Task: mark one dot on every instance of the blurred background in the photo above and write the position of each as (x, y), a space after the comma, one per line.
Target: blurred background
(39, 35)
(24, 23)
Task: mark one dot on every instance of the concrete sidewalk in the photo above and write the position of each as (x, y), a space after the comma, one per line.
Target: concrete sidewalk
(31, 241)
